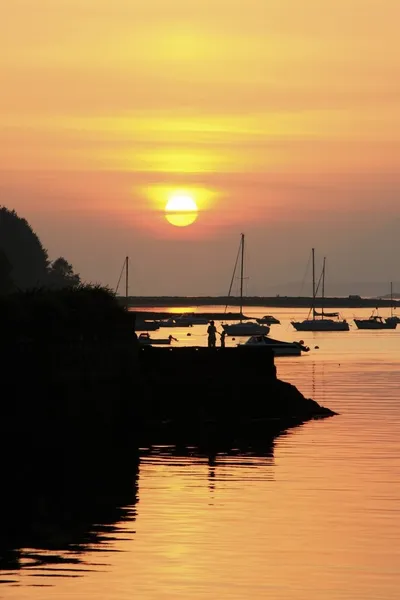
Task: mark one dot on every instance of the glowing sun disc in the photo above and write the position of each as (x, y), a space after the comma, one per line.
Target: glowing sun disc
(181, 210)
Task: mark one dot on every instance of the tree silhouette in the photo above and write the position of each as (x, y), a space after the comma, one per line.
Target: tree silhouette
(24, 252)
(6, 282)
(61, 274)
(24, 263)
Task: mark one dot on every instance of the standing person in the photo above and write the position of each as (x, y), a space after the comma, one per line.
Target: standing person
(223, 336)
(212, 338)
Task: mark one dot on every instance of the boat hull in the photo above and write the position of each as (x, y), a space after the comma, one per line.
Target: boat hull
(278, 347)
(321, 325)
(268, 320)
(244, 329)
(146, 326)
(374, 325)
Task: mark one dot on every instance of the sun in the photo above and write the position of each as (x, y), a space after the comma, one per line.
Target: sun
(181, 210)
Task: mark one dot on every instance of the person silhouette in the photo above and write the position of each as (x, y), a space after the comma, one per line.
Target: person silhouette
(223, 336)
(212, 338)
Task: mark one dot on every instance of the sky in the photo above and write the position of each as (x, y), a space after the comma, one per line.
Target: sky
(280, 118)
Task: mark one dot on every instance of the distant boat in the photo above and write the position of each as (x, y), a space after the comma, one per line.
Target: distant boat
(268, 320)
(145, 340)
(243, 328)
(326, 321)
(190, 319)
(141, 325)
(278, 347)
(375, 322)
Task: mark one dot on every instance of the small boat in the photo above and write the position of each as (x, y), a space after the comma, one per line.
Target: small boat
(145, 339)
(243, 328)
(393, 319)
(190, 319)
(278, 347)
(375, 322)
(268, 320)
(171, 322)
(146, 325)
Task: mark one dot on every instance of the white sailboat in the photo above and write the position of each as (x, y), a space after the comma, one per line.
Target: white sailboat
(243, 328)
(320, 321)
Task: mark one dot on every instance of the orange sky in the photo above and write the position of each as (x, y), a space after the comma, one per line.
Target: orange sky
(282, 117)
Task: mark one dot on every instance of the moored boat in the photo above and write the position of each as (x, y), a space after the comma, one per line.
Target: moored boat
(268, 320)
(320, 321)
(145, 339)
(243, 328)
(146, 325)
(375, 322)
(190, 319)
(278, 347)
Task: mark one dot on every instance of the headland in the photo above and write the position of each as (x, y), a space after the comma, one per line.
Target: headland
(270, 301)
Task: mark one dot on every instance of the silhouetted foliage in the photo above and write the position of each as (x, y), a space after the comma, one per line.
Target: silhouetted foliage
(6, 282)
(24, 263)
(84, 312)
(24, 251)
(61, 274)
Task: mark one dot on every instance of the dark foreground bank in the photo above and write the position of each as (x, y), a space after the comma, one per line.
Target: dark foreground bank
(74, 379)
(80, 398)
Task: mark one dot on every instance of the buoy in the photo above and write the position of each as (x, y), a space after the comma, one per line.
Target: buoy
(316, 347)
(302, 342)
(188, 334)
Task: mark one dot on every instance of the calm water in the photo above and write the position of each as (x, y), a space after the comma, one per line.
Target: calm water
(317, 518)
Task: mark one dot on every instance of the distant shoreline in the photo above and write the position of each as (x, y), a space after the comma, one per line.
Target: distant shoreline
(270, 301)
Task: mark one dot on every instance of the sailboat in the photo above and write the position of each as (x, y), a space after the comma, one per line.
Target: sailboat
(140, 323)
(375, 321)
(244, 328)
(320, 321)
(393, 318)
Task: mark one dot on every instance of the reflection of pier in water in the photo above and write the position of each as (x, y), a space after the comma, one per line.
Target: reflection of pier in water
(59, 523)
(56, 527)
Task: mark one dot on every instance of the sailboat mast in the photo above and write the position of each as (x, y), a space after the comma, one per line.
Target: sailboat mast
(241, 276)
(323, 287)
(126, 282)
(313, 282)
(391, 298)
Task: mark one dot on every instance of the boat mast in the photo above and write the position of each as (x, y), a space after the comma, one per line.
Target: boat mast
(323, 287)
(313, 282)
(391, 298)
(241, 276)
(126, 282)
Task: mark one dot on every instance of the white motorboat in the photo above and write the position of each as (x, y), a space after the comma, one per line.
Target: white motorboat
(141, 325)
(268, 320)
(171, 322)
(145, 340)
(278, 347)
(245, 328)
(190, 319)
